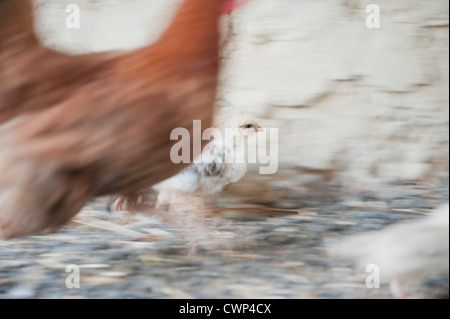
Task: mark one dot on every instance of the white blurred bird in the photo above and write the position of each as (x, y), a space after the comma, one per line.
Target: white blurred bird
(221, 162)
(407, 252)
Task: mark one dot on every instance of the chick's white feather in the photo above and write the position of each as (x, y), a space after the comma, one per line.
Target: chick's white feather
(221, 162)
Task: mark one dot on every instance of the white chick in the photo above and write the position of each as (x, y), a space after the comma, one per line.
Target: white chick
(221, 162)
(405, 252)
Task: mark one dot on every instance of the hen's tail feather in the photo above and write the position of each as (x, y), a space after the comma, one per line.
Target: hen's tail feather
(16, 17)
(33, 77)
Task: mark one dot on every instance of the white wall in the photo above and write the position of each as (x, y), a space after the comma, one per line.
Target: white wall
(366, 105)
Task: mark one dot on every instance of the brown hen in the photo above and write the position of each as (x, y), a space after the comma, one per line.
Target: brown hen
(75, 127)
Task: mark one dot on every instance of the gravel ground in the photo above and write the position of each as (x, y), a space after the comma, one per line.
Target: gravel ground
(279, 255)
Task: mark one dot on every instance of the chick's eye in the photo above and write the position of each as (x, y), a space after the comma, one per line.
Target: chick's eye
(248, 126)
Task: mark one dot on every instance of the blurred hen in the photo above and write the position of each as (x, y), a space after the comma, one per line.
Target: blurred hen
(75, 127)
(405, 252)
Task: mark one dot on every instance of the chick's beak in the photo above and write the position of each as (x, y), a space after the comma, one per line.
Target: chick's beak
(259, 129)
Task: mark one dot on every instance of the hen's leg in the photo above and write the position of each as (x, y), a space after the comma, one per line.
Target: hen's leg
(397, 289)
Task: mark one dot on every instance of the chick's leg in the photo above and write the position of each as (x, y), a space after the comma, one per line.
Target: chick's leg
(158, 204)
(118, 203)
(397, 289)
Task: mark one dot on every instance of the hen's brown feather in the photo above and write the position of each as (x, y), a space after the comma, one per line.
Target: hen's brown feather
(74, 127)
